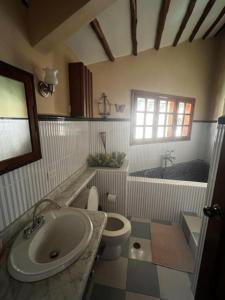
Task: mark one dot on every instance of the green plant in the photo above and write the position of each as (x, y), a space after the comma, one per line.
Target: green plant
(109, 160)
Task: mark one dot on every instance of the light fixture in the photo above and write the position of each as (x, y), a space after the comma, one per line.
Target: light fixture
(104, 106)
(47, 86)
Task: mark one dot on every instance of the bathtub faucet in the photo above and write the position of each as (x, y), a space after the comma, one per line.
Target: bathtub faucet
(169, 157)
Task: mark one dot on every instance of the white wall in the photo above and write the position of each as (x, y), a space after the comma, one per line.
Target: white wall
(149, 155)
(65, 147)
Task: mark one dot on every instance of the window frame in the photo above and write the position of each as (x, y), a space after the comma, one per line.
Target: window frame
(145, 94)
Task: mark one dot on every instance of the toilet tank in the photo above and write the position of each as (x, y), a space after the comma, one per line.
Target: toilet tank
(93, 199)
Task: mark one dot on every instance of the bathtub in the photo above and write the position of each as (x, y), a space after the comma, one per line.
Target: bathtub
(195, 170)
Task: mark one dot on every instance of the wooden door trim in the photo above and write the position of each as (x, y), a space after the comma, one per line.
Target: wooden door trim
(214, 245)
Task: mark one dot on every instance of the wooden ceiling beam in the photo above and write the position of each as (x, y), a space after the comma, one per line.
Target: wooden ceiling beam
(205, 13)
(221, 14)
(133, 24)
(101, 37)
(222, 28)
(161, 22)
(184, 21)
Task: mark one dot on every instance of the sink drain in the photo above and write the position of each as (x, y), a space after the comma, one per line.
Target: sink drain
(137, 245)
(54, 253)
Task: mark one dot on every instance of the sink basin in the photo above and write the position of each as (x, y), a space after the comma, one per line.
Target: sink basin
(59, 242)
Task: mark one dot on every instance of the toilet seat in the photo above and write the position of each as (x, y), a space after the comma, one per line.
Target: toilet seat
(119, 229)
(115, 233)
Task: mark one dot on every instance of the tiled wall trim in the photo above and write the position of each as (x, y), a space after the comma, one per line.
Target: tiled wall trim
(68, 118)
(65, 147)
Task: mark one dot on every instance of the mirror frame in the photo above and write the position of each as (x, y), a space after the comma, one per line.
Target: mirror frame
(27, 78)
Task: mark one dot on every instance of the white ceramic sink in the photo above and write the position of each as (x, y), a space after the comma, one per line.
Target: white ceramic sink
(59, 242)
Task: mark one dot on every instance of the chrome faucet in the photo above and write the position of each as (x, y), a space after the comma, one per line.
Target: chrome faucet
(37, 221)
(169, 156)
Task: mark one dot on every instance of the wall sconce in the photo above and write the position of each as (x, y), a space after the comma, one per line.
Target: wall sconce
(47, 86)
(104, 106)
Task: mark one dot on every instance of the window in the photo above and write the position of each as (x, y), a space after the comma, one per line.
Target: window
(158, 117)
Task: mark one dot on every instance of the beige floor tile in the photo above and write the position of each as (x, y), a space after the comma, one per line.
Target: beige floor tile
(134, 296)
(112, 273)
(144, 253)
(174, 285)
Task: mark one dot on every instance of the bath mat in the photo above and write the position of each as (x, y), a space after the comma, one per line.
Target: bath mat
(170, 248)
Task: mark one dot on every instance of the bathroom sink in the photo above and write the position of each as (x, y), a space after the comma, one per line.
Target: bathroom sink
(59, 242)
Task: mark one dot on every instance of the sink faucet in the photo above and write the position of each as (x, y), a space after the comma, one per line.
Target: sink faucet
(37, 221)
(169, 156)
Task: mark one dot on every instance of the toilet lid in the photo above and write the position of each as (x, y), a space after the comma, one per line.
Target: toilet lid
(116, 233)
(93, 199)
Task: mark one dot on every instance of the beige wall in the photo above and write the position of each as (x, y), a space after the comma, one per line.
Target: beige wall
(51, 22)
(185, 70)
(16, 50)
(218, 92)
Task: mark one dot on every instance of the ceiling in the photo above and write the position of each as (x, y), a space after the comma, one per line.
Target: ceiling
(115, 24)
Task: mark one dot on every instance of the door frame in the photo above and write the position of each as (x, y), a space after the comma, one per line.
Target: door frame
(213, 258)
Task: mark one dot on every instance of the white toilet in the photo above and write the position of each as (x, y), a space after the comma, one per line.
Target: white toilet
(117, 230)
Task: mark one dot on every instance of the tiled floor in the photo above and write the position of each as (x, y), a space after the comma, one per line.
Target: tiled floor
(134, 277)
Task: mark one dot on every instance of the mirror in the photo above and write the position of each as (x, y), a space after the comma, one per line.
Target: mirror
(19, 136)
(15, 133)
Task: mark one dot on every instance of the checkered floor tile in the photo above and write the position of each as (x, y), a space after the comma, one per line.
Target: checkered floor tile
(134, 277)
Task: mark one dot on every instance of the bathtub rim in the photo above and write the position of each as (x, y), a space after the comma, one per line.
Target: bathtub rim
(166, 181)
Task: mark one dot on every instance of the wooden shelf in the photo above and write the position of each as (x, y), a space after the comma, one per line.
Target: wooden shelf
(81, 90)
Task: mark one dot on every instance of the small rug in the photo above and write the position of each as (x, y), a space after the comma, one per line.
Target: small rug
(170, 248)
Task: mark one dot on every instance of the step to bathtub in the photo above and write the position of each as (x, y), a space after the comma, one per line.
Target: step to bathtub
(191, 225)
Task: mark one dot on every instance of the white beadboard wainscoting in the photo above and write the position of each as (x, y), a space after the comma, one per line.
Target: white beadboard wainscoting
(112, 182)
(117, 136)
(149, 155)
(159, 199)
(163, 199)
(65, 147)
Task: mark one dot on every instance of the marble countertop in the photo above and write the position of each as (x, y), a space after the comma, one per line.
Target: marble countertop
(69, 190)
(66, 285)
